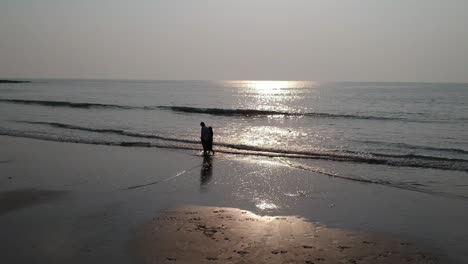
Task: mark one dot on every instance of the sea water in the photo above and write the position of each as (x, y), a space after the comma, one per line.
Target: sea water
(412, 136)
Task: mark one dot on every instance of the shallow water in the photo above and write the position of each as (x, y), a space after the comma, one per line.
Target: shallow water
(404, 135)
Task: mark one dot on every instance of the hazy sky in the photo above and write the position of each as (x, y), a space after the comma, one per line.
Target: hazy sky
(361, 40)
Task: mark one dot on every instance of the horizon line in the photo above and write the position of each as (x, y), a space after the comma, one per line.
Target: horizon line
(227, 80)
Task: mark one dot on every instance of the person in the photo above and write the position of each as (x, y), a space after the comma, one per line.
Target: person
(210, 141)
(205, 136)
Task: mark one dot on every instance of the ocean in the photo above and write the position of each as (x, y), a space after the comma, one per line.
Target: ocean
(410, 136)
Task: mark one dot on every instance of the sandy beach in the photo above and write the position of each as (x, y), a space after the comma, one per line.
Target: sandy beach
(229, 235)
(238, 132)
(79, 203)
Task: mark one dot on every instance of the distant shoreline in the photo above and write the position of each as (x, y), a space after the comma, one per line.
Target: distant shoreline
(13, 81)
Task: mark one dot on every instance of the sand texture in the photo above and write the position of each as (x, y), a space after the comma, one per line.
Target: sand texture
(228, 235)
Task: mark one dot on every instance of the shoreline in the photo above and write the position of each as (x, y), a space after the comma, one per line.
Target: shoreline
(96, 217)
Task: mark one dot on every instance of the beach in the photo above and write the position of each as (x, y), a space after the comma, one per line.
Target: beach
(87, 167)
(227, 235)
(80, 203)
(314, 132)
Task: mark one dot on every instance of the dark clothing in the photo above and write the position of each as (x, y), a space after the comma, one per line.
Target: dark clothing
(205, 133)
(205, 137)
(205, 144)
(209, 146)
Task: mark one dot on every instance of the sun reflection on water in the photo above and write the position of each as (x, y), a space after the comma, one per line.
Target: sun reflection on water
(266, 205)
(272, 87)
(268, 136)
(269, 95)
(276, 127)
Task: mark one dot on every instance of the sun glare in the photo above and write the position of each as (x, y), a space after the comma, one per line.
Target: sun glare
(268, 95)
(265, 205)
(270, 87)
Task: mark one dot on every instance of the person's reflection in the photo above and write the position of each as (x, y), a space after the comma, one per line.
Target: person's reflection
(206, 171)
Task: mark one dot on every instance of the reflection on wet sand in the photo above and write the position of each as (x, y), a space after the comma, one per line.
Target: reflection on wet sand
(227, 235)
(206, 171)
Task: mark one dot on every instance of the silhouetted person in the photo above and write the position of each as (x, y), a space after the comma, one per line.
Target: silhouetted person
(205, 137)
(210, 141)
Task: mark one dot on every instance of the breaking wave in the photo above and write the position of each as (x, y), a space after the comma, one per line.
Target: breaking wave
(255, 112)
(64, 104)
(416, 147)
(407, 160)
(198, 110)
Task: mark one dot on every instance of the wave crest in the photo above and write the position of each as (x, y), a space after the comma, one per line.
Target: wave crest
(404, 160)
(199, 110)
(64, 104)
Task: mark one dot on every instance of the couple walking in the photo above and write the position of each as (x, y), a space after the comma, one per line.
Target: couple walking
(207, 138)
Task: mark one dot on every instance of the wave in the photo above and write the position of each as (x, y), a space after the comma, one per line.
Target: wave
(50, 137)
(64, 104)
(400, 185)
(416, 156)
(199, 110)
(416, 147)
(225, 112)
(409, 160)
(110, 131)
(416, 187)
(255, 112)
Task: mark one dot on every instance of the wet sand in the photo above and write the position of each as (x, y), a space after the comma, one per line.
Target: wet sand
(75, 203)
(227, 235)
(18, 199)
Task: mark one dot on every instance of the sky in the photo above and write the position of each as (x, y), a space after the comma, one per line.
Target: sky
(320, 40)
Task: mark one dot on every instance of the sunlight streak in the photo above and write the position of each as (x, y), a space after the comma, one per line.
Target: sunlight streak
(271, 87)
